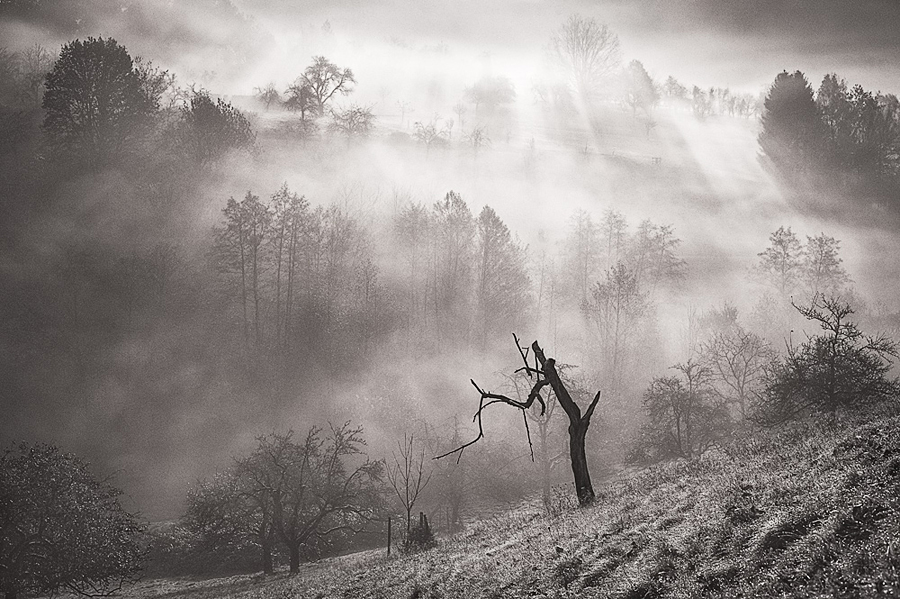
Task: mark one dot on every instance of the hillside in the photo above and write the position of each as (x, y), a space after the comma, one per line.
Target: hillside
(812, 509)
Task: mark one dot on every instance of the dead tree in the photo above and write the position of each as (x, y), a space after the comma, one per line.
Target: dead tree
(543, 372)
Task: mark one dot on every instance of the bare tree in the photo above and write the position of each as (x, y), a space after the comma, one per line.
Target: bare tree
(478, 139)
(544, 374)
(354, 122)
(324, 79)
(587, 51)
(267, 95)
(739, 361)
(407, 475)
(429, 134)
(315, 491)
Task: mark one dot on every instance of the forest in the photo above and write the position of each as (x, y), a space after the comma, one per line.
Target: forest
(279, 296)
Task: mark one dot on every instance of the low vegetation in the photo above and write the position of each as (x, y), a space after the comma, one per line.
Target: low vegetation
(808, 509)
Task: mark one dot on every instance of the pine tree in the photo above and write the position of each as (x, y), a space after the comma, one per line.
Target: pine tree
(792, 131)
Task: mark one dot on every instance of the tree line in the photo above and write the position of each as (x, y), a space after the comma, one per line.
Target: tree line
(839, 135)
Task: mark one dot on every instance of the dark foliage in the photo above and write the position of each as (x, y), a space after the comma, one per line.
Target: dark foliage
(61, 528)
(297, 493)
(97, 103)
(791, 129)
(685, 416)
(840, 368)
(209, 130)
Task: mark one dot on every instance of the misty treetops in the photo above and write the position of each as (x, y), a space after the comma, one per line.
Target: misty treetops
(838, 136)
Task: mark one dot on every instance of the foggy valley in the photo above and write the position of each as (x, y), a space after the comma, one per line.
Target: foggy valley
(449, 299)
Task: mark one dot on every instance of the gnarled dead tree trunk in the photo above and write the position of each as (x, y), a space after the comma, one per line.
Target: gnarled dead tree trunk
(544, 373)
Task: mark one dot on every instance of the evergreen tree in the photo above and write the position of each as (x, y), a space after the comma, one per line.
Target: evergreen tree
(792, 131)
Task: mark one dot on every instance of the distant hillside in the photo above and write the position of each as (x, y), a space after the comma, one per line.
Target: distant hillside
(809, 510)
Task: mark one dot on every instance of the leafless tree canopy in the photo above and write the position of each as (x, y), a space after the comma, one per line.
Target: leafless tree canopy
(588, 51)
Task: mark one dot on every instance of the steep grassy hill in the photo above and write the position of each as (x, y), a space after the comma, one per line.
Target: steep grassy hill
(810, 510)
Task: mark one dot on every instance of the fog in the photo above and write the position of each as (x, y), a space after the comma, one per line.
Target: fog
(161, 407)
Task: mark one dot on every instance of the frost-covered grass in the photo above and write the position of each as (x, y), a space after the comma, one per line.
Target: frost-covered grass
(812, 509)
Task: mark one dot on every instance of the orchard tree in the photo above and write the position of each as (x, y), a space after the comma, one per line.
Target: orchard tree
(96, 101)
(228, 514)
(353, 123)
(685, 418)
(587, 52)
(61, 529)
(267, 95)
(738, 360)
(300, 98)
(407, 475)
(429, 135)
(489, 93)
(315, 488)
(323, 79)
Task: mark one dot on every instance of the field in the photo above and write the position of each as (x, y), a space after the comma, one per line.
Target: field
(809, 510)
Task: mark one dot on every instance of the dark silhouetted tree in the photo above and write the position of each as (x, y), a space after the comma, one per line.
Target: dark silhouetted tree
(792, 131)
(840, 368)
(300, 98)
(316, 491)
(211, 129)
(323, 79)
(61, 529)
(543, 373)
(96, 102)
(685, 418)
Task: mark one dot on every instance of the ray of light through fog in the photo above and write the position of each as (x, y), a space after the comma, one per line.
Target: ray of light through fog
(705, 178)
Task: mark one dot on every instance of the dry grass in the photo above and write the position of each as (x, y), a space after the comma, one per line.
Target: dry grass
(810, 510)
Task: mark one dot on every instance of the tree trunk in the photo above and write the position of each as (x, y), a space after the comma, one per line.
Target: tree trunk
(578, 426)
(583, 487)
(267, 558)
(295, 557)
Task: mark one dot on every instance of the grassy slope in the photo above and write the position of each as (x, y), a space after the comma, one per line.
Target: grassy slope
(809, 510)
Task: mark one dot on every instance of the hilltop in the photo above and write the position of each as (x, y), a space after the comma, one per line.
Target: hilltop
(810, 509)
